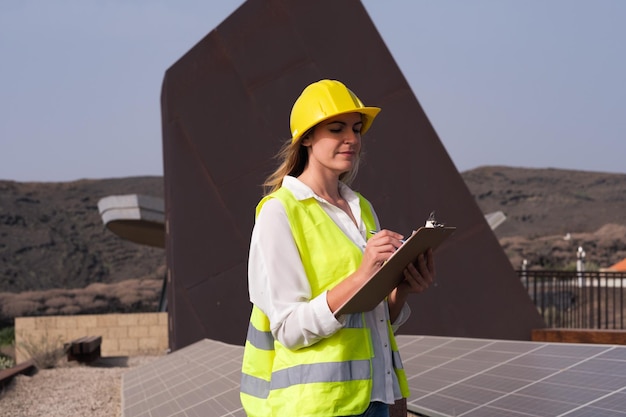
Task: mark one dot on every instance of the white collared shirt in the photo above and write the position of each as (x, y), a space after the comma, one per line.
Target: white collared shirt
(279, 286)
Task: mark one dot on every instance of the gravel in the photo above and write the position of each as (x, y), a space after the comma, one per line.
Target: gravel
(70, 389)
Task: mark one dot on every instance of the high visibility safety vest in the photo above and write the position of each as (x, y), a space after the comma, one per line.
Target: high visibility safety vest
(332, 377)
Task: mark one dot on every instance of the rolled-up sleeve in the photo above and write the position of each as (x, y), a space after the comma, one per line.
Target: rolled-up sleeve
(404, 315)
(279, 286)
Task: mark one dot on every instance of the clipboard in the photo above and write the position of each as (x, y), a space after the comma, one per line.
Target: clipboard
(375, 289)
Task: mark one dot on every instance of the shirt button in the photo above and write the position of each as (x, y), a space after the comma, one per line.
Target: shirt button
(388, 372)
(385, 344)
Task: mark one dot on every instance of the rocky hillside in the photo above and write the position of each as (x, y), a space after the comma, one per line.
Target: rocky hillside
(551, 212)
(52, 236)
(542, 202)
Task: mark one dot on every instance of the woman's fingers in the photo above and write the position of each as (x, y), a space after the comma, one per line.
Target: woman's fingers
(416, 279)
(426, 265)
(419, 276)
(411, 279)
(386, 237)
(430, 262)
(382, 245)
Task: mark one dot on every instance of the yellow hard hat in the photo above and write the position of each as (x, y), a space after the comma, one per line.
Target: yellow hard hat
(325, 99)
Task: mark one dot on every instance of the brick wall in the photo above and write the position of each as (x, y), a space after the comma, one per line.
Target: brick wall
(122, 334)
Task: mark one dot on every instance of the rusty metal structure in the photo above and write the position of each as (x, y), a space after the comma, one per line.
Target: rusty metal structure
(225, 113)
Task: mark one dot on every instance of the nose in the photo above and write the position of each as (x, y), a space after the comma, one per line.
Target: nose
(352, 137)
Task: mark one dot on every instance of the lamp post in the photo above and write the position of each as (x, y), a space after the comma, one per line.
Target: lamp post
(580, 265)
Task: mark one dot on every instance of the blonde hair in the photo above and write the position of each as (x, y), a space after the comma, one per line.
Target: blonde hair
(293, 159)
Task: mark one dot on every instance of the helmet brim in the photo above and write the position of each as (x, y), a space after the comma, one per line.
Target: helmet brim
(369, 114)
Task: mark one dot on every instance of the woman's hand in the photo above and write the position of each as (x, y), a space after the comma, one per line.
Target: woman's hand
(378, 250)
(417, 278)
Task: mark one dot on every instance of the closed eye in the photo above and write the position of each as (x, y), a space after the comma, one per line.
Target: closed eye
(339, 126)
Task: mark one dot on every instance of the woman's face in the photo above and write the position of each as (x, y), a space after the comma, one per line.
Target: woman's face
(335, 144)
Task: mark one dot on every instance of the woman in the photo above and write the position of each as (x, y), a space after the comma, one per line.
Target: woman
(310, 247)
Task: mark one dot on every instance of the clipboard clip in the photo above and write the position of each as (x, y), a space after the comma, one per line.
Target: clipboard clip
(432, 222)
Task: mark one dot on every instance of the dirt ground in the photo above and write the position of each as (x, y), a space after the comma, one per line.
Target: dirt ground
(70, 389)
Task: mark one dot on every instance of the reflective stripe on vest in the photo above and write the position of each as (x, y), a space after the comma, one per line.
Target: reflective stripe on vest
(335, 372)
(306, 374)
(260, 339)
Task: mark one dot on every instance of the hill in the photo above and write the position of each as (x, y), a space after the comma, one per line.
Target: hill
(52, 236)
(551, 212)
(541, 202)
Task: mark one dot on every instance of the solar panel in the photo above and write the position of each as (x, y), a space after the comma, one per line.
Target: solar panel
(482, 377)
(447, 377)
(201, 379)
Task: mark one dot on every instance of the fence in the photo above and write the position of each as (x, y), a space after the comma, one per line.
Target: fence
(571, 299)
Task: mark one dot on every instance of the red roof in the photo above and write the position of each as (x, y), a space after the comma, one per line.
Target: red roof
(618, 267)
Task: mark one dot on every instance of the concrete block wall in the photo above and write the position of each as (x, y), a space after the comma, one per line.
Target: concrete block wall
(122, 334)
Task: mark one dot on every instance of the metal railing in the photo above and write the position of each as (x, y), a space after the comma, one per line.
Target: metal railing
(571, 299)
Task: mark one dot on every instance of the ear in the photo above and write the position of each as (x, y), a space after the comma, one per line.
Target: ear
(306, 140)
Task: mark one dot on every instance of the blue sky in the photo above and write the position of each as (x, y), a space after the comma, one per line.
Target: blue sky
(519, 83)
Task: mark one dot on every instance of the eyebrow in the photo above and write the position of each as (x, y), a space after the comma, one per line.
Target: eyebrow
(342, 122)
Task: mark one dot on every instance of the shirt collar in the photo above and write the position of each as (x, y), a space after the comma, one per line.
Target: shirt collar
(301, 191)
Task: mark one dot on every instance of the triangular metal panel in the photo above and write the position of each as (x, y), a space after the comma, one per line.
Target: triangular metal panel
(225, 113)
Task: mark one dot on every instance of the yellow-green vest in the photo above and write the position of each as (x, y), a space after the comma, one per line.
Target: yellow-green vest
(332, 377)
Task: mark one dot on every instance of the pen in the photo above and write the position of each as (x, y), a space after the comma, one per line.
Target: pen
(373, 232)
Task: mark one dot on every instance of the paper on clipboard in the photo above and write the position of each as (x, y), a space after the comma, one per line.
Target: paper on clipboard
(374, 290)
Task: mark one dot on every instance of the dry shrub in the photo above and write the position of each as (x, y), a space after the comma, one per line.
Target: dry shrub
(56, 293)
(140, 285)
(140, 294)
(130, 300)
(129, 284)
(45, 351)
(34, 296)
(99, 305)
(50, 312)
(95, 288)
(58, 302)
(107, 293)
(147, 294)
(70, 310)
(133, 295)
(84, 301)
(17, 308)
